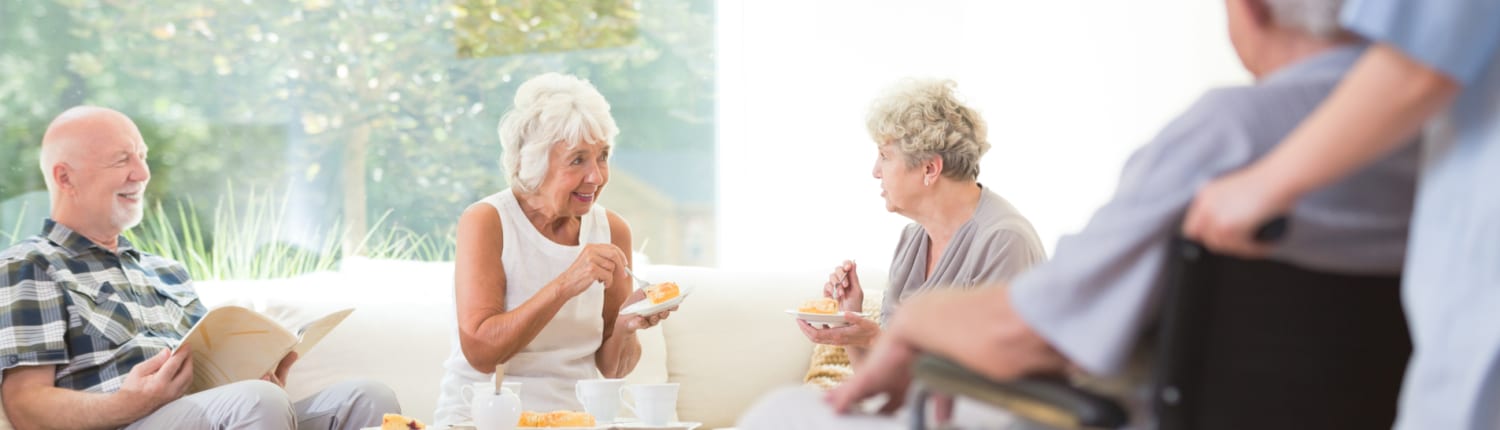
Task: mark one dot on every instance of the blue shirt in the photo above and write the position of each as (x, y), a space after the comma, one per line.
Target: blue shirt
(1451, 289)
(93, 313)
(1096, 295)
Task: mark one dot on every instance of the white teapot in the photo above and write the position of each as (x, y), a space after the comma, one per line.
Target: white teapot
(493, 410)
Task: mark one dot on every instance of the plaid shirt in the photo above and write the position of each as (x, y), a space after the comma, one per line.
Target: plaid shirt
(93, 313)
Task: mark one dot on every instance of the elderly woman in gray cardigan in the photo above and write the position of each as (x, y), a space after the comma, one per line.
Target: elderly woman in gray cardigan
(962, 233)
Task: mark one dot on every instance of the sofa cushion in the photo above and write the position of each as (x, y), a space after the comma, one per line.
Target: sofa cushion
(828, 367)
(398, 334)
(830, 364)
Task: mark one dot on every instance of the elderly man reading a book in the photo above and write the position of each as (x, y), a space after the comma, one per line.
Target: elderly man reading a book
(89, 322)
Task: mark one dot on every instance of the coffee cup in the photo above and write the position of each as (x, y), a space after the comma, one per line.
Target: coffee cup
(600, 398)
(653, 404)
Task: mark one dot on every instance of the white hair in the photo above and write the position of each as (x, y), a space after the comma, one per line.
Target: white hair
(1319, 18)
(550, 109)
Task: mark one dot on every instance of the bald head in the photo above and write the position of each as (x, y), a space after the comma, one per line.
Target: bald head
(94, 162)
(79, 132)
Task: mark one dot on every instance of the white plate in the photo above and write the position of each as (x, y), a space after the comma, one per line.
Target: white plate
(644, 307)
(470, 426)
(820, 320)
(669, 426)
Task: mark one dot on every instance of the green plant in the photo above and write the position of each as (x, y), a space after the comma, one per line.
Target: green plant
(250, 240)
(14, 235)
(253, 242)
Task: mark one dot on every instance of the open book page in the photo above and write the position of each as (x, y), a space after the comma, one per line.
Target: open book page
(233, 344)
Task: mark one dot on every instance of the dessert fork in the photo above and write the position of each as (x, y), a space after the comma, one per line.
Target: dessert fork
(638, 281)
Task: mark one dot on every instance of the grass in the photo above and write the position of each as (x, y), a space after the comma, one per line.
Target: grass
(14, 235)
(252, 241)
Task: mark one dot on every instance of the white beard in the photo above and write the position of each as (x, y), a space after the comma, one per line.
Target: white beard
(128, 218)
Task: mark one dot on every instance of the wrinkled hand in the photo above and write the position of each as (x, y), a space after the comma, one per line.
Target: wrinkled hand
(843, 285)
(1227, 211)
(634, 322)
(642, 322)
(159, 380)
(996, 343)
(278, 376)
(860, 332)
(598, 262)
(887, 370)
(942, 408)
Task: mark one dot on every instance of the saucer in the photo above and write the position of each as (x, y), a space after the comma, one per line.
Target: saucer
(676, 425)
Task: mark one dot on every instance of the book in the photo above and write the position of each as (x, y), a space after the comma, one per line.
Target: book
(232, 344)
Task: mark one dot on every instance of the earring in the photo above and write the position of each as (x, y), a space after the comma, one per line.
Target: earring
(926, 182)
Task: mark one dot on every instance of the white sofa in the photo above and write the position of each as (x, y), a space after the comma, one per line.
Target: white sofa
(729, 343)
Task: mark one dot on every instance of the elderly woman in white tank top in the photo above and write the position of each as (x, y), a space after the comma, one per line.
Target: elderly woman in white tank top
(540, 275)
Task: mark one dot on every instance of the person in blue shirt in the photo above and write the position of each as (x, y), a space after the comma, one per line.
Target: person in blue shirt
(1087, 308)
(1433, 65)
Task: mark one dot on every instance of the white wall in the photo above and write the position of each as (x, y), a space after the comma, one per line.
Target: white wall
(1069, 87)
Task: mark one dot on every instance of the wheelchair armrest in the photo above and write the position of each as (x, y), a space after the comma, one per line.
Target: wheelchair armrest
(1048, 401)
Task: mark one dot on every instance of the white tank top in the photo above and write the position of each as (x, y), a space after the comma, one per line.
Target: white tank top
(563, 352)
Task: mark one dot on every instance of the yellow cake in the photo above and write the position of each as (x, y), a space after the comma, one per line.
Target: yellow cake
(820, 306)
(662, 292)
(556, 419)
(398, 422)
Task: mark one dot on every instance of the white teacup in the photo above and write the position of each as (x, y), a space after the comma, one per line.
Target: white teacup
(600, 398)
(491, 410)
(654, 404)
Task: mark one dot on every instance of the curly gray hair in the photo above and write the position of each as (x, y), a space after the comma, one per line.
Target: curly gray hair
(923, 118)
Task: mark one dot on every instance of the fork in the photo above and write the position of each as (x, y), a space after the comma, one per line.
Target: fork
(638, 281)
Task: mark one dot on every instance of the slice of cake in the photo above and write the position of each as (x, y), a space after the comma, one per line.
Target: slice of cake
(531, 419)
(662, 292)
(820, 306)
(569, 419)
(398, 422)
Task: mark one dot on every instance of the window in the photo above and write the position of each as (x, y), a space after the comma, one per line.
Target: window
(287, 135)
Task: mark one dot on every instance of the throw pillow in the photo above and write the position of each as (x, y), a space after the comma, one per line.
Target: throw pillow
(829, 365)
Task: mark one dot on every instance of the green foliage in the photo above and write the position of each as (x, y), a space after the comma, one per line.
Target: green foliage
(251, 240)
(485, 28)
(361, 109)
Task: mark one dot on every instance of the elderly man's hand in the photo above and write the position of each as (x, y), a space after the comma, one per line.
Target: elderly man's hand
(978, 328)
(1227, 211)
(283, 368)
(158, 380)
(887, 371)
(860, 332)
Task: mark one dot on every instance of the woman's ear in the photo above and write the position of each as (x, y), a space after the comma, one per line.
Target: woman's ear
(932, 169)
